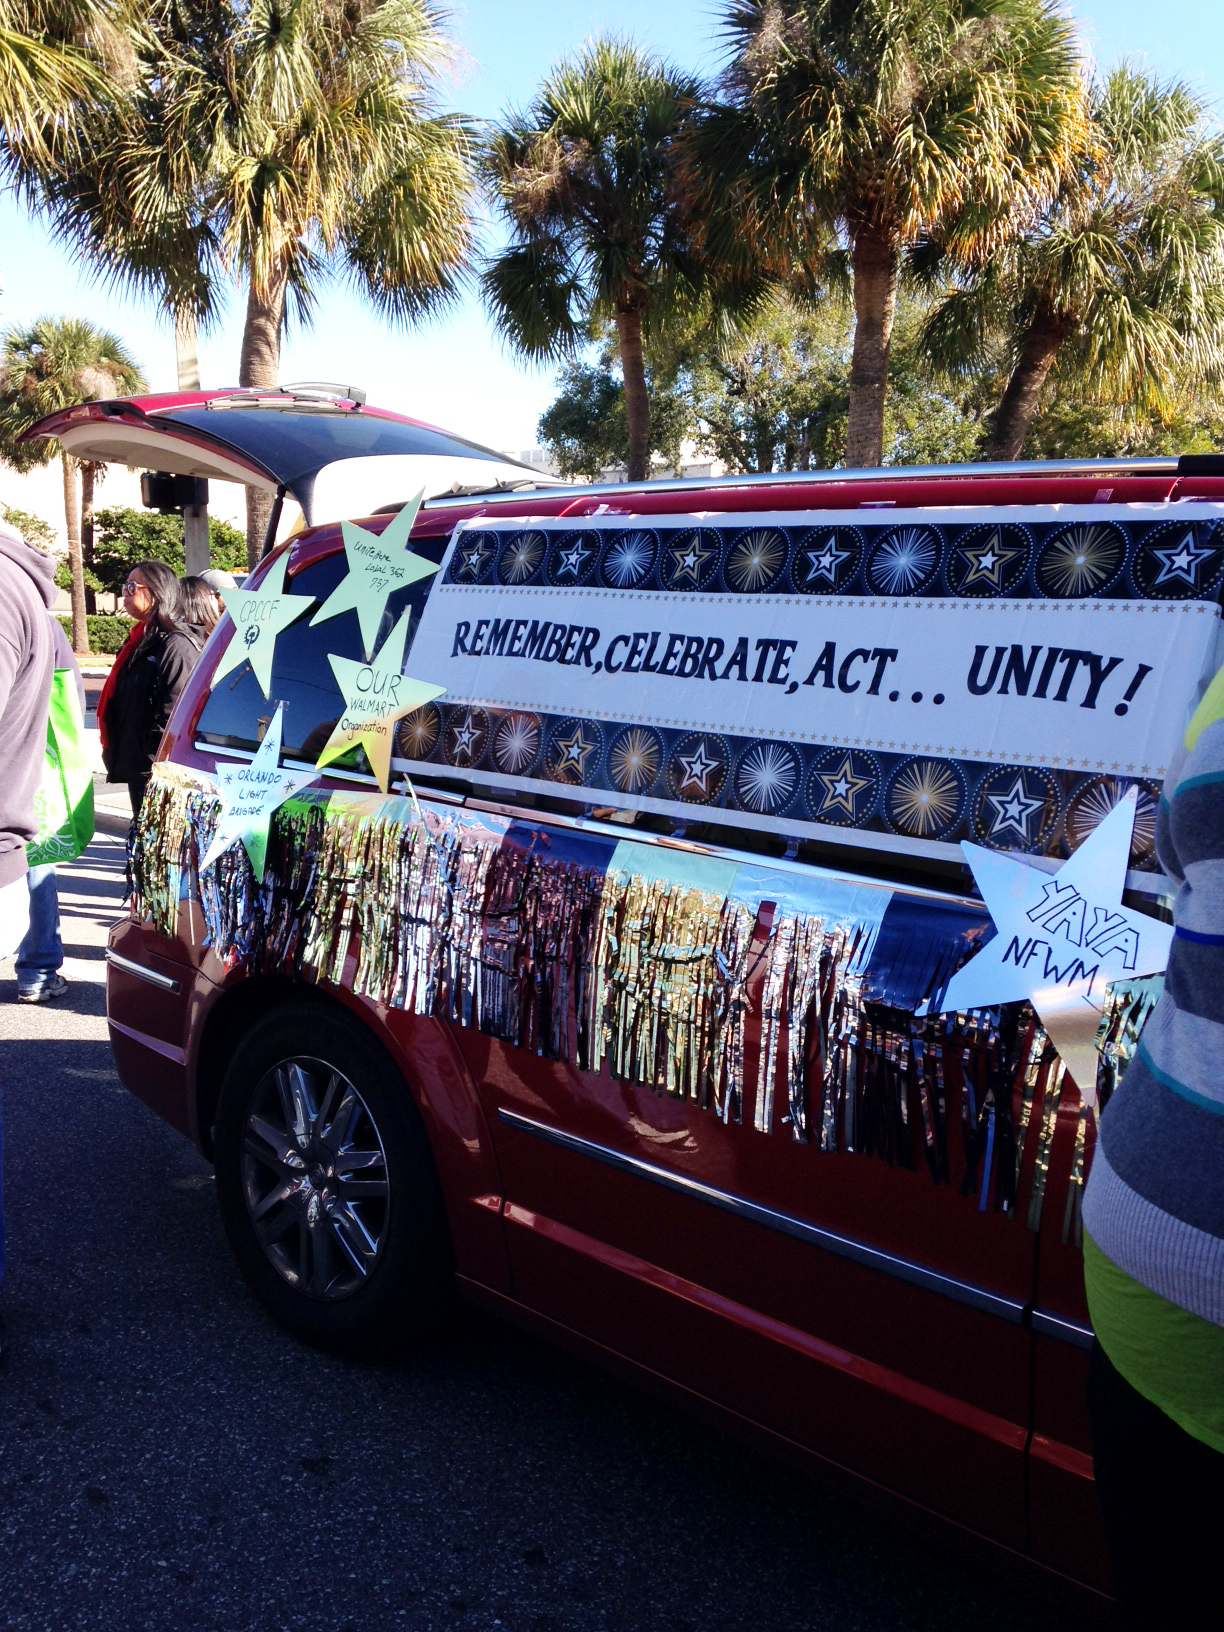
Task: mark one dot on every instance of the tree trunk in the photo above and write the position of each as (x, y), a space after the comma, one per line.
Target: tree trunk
(260, 367)
(1046, 333)
(72, 526)
(89, 477)
(875, 258)
(186, 350)
(637, 399)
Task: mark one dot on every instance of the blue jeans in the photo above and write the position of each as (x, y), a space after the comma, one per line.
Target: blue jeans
(14, 916)
(41, 952)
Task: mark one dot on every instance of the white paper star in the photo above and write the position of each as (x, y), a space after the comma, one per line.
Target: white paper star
(1060, 939)
(249, 795)
(379, 564)
(376, 696)
(258, 617)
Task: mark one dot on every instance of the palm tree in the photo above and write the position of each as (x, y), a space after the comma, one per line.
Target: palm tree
(285, 140)
(851, 128)
(1118, 284)
(56, 62)
(58, 363)
(587, 181)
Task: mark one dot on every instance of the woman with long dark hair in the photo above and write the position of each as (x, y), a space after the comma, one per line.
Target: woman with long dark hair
(201, 605)
(151, 672)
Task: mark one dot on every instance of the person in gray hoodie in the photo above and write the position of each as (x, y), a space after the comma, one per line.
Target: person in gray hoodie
(27, 589)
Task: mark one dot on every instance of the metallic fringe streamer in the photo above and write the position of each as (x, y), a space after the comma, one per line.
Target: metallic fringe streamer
(796, 953)
(670, 965)
(840, 1009)
(1045, 1142)
(435, 913)
(1127, 1006)
(1073, 1217)
(175, 824)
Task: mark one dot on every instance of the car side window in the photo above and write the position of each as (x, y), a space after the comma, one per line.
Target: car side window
(237, 713)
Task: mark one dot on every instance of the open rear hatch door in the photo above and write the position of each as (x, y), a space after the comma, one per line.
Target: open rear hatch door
(330, 452)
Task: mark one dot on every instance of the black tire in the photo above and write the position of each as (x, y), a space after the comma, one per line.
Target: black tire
(327, 1187)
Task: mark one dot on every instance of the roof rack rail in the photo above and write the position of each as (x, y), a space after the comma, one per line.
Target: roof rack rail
(1201, 464)
(1099, 469)
(304, 395)
(354, 393)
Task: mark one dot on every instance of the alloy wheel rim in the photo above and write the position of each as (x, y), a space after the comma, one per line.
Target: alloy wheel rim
(314, 1178)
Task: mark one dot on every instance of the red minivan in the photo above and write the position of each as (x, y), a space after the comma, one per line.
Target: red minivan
(612, 999)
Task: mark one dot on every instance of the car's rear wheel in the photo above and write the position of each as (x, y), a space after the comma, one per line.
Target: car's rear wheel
(327, 1187)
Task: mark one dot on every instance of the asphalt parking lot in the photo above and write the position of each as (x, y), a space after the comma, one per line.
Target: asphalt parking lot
(169, 1459)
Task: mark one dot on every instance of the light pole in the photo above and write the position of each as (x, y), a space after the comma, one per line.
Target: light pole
(195, 516)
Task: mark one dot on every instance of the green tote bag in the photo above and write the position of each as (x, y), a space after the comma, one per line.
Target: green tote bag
(63, 806)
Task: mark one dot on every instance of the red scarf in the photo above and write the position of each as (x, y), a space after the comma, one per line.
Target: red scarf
(125, 651)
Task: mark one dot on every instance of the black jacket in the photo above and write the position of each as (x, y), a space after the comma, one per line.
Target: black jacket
(145, 693)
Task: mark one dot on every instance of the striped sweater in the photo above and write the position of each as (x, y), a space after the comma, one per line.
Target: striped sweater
(1154, 1207)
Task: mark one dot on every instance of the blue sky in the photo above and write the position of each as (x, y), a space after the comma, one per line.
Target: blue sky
(454, 371)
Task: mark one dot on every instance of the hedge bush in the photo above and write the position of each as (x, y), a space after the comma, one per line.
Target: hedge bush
(107, 630)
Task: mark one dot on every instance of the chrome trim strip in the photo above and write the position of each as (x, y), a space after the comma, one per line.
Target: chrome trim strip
(842, 1246)
(164, 982)
(1066, 1331)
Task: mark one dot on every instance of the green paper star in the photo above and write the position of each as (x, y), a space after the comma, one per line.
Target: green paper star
(250, 794)
(376, 696)
(259, 615)
(379, 564)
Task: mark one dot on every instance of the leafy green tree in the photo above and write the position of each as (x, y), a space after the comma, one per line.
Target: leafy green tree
(587, 427)
(600, 232)
(848, 129)
(126, 537)
(53, 364)
(780, 399)
(775, 398)
(1070, 428)
(286, 140)
(1118, 284)
(32, 528)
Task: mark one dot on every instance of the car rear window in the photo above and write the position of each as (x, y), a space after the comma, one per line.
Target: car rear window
(298, 445)
(237, 713)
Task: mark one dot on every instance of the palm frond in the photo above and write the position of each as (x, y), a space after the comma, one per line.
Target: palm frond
(53, 364)
(537, 298)
(588, 179)
(286, 141)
